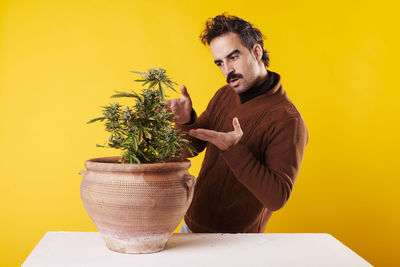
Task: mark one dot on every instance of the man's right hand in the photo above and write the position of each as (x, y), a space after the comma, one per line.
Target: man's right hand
(181, 107)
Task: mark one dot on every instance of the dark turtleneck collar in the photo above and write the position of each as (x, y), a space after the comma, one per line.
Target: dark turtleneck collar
(269, 83)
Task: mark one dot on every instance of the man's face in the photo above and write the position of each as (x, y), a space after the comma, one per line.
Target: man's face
(239, 66)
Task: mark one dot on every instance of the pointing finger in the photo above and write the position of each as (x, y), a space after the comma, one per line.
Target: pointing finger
(198, 135)
(202, 134)
(184, 91)
(236, 124)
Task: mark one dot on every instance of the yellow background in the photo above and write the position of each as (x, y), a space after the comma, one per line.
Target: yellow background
(61, 60)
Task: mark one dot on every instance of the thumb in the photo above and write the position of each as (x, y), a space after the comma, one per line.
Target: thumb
(184, 91)
(236, 125)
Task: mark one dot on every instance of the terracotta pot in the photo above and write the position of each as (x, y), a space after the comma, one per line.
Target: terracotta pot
(136, 207)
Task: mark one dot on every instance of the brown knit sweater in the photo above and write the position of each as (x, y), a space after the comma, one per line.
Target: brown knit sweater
(238, 189)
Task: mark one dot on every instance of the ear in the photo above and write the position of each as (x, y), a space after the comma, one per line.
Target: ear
(258, 52)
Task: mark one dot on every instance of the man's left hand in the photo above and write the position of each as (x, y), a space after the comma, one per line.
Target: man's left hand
(221, 140)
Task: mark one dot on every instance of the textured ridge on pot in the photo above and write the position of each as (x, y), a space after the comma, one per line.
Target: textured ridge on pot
(136, 207)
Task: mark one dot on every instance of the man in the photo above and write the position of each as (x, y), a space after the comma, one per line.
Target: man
(254, 135)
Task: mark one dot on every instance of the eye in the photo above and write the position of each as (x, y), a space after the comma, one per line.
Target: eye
(219, 64)
(234, 57)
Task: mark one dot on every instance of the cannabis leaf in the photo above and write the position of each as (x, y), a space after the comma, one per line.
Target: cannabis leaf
(144, 132)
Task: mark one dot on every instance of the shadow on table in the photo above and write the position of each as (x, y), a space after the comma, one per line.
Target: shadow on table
(180, 241)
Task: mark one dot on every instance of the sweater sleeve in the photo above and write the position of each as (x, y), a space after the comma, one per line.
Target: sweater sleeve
(271, 180)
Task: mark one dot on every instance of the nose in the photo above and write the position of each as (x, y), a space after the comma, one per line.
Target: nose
(228, 69)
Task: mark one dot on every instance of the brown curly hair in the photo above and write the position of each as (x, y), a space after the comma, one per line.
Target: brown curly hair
(248, 34)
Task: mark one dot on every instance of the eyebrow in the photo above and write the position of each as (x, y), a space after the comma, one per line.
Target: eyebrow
(236, 51)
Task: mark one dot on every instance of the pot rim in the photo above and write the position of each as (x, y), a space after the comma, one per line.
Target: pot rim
(110, 164)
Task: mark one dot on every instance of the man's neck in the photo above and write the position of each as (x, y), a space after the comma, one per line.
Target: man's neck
(261, 78)
(256, 90)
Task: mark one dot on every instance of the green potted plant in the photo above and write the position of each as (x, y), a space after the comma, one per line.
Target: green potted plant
(136, 200)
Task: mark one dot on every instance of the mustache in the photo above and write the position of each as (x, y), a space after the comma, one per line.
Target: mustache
(233, 76)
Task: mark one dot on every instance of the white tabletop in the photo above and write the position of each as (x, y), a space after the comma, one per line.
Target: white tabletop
(88, 249)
